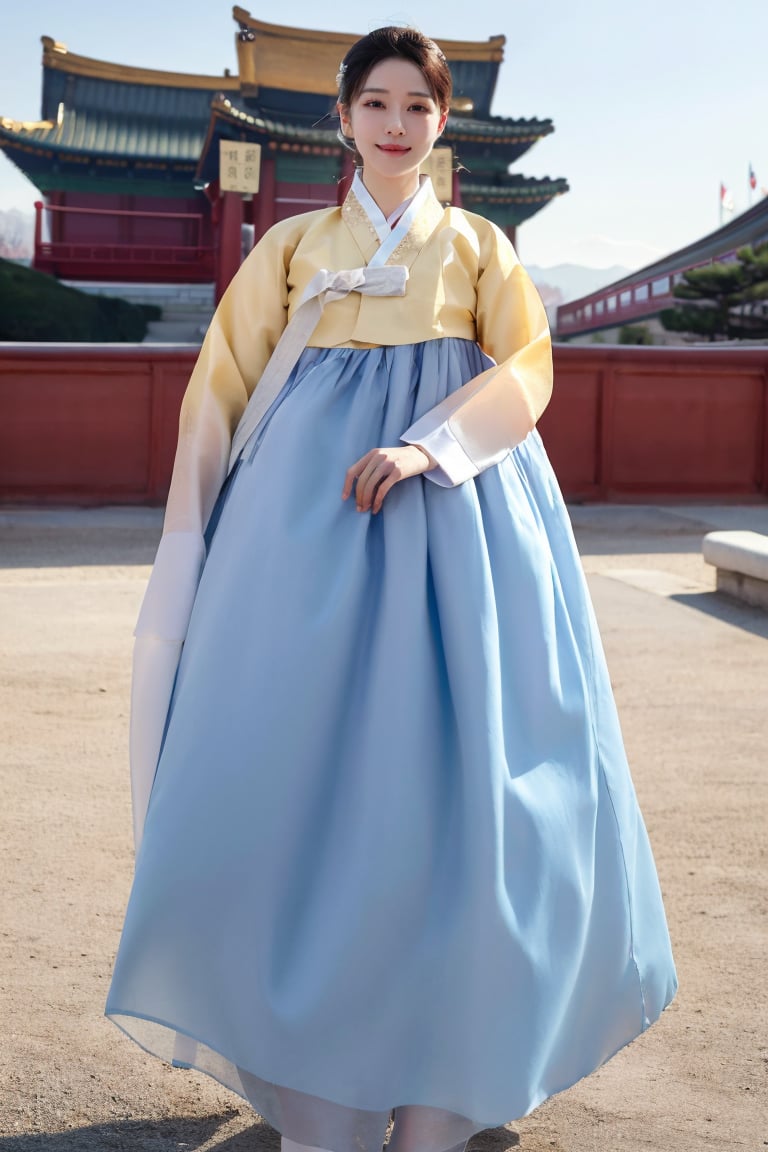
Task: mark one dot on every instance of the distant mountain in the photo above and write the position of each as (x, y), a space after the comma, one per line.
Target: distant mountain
(564, 282)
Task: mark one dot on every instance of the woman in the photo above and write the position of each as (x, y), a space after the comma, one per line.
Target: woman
(392, 857)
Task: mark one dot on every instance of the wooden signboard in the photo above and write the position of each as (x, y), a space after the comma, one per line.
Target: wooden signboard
(239, 166)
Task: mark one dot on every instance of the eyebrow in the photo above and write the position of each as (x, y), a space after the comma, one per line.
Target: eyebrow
(385, 91)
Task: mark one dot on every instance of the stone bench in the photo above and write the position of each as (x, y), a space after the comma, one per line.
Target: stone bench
(741, 560)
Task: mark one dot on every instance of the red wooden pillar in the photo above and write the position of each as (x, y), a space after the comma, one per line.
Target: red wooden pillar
(39, 208)
(57, 220)
(228, 251)
(456, 191)
(264, 214)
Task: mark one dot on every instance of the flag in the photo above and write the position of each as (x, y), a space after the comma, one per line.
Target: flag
(726, 200)
(752, 178)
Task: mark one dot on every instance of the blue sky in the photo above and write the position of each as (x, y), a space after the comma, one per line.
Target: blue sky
(654, 102)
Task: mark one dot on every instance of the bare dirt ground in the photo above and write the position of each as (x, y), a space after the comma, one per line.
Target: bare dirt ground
(690, 671)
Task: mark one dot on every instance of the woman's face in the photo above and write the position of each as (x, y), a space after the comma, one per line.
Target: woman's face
(394, 119)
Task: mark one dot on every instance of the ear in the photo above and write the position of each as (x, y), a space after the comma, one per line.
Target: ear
(346, 123)
(442, 122)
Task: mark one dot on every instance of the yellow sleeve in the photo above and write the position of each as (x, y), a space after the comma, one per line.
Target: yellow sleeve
(480, 422)
(239, 342)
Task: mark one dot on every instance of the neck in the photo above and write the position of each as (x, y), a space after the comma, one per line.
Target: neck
(389, 194)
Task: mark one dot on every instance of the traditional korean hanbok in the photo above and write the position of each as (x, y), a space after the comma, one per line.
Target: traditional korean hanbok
(392, 856)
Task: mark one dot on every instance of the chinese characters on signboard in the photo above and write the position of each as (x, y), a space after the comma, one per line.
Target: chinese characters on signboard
(439, 167)
(239, 166)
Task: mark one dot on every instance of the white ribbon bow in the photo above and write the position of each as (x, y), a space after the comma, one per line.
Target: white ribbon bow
(323, 288)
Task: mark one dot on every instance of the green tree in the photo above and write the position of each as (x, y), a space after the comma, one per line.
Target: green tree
(727, 301)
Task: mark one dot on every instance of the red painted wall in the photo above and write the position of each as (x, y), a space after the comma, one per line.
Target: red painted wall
(629, 423)
(91, 425)
(98, 424)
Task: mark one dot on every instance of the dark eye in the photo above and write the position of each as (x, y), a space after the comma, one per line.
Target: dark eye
(373, 104)
(419, 108)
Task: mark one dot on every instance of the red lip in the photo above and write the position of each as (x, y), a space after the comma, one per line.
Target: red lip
(395, 148)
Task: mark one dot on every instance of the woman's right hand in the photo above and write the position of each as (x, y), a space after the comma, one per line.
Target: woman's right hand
(376, 473)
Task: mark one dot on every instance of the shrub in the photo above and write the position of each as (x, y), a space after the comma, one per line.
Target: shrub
(36, 307)
(635, 334)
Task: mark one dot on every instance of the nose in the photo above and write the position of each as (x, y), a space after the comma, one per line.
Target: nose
(395, 126)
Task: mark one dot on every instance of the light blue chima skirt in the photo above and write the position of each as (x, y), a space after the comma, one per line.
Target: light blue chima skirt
(393, 857)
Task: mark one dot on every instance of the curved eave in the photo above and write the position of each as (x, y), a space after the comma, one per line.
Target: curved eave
(523, 191)
(510, 208)
(497, 131)
(263, 126)
(58, 57)
(31, 135)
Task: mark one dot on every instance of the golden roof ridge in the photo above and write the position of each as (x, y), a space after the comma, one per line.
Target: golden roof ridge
(57, 56)
(491, 49)
(11, 125)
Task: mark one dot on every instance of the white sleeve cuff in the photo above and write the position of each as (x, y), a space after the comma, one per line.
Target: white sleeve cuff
(170, 594)
(453, 464)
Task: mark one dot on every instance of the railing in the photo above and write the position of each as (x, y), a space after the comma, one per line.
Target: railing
(128, 258)
(97, 424)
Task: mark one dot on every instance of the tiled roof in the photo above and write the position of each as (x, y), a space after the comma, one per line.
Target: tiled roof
(150, 101)
(497, 129)
(106, 133)
(97, 116)
(513, 189)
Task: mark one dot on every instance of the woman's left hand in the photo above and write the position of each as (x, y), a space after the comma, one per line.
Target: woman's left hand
(379, 470)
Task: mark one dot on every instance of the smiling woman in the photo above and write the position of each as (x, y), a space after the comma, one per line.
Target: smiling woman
(392, 859)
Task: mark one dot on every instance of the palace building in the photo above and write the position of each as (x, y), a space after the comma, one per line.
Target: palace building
(149, 176)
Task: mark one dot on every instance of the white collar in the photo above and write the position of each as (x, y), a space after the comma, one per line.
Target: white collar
(402, 217)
